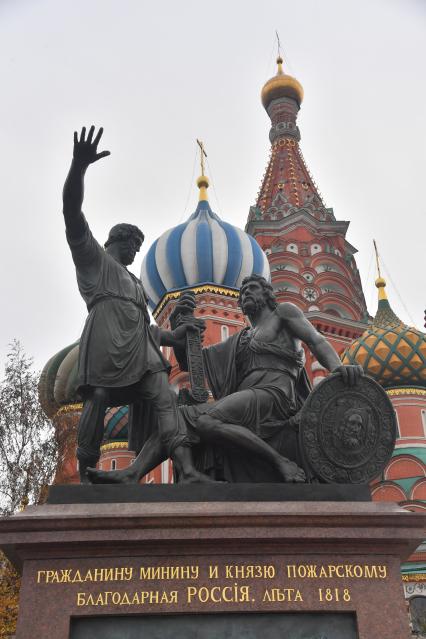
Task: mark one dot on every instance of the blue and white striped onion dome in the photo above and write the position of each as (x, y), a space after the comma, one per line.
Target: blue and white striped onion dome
(202, 250)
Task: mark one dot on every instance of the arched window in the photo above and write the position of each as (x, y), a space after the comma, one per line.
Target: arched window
(224, 332)
(113, 464)
(280, 287)
(315, 248)
(285, 267)
(332, 287)
(292, 248)
(337, 310)
(327, 267)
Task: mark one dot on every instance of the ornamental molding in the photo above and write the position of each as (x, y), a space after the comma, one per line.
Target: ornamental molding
(339, 322)
(301, 217)
(114, 446)
(206, 288)
(69, 408)
(416, 577)
(406, 391)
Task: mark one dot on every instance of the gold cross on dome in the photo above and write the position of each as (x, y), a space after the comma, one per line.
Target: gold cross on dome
(278, 44)
(377, 258)
(203, 155)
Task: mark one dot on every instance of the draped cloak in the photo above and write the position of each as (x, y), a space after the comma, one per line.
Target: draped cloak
(271, 371)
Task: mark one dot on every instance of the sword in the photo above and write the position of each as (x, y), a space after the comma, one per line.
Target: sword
(198, 392)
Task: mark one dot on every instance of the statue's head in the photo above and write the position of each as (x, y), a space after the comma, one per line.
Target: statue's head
(351, 429)
(124, 241)
(255, 293)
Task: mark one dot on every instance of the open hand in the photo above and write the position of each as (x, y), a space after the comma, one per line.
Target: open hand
(86, 150)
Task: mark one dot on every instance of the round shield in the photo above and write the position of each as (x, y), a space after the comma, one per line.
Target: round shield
(347, 433)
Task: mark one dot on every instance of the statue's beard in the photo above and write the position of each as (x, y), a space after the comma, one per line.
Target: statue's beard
(350, 441)
(251, 305)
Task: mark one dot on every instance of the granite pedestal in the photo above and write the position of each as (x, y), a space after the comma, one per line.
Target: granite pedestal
(204, 569)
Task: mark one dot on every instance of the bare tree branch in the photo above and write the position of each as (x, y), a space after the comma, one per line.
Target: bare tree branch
(28, 442)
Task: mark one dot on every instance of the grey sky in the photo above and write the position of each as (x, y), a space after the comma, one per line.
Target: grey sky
(157, 75)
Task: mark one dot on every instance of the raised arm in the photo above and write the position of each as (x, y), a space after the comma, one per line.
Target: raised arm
(301, 328)
(85, 153)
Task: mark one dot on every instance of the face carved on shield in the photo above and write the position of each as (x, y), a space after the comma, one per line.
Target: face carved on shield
(351, 430)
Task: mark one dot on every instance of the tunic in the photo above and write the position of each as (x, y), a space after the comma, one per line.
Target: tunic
(117, 347)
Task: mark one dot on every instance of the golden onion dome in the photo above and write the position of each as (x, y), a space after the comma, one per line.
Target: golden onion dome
(391, 352)
(281, 86)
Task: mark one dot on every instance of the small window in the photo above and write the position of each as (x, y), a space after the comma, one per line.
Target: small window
(292, 248)
(224, 333)
(113, 464)
(315, 248)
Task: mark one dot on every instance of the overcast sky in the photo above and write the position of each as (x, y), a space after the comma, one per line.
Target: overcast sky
(157, 75)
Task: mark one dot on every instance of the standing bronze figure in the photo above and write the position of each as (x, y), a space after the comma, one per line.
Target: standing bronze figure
(119, 360)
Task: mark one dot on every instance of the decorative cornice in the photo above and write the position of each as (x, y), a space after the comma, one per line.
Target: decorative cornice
(205, 288)
(300, 217)
(341, 322)
(405, 391)
(114, 446)
(415, 577)
(69, 408)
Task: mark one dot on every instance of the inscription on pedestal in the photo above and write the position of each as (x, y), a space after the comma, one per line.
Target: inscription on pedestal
(160, 587)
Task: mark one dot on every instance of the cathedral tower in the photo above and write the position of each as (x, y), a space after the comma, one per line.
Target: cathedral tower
(312, 264)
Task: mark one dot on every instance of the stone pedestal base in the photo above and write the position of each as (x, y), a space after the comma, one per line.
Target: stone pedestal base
(305, 570)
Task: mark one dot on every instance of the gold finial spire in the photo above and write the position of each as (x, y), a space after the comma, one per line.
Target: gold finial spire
(380, 281)
(203, 181)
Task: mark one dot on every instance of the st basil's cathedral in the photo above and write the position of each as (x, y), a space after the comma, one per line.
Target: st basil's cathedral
(296, 242)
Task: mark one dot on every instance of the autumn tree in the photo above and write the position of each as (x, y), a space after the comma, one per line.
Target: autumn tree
(28, 458)
(28, 444)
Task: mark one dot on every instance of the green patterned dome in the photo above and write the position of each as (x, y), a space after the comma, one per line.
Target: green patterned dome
(58, 394)
(58, 381)
(391, 352)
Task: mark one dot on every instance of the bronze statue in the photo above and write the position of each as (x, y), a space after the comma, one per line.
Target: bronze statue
(259, 384)
(119, 360)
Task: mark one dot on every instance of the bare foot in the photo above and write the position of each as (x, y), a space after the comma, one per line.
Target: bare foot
(195, 477)
(125, 476)
(291, 472)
